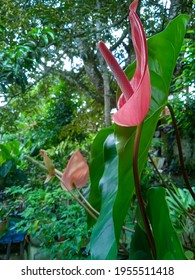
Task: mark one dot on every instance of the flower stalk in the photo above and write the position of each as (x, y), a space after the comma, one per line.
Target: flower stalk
(138, 190)
(185, 175)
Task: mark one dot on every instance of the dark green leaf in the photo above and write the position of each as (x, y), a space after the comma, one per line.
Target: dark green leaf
(97, 168)
(140, 248)
(104, 246)
(6, 167)
(168, 246)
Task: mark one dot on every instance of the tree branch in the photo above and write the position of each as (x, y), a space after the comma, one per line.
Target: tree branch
(185, 176)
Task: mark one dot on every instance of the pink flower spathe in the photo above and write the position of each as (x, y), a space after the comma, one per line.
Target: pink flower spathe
(134, 102)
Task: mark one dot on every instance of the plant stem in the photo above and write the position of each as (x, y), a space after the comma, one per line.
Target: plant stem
(128, 229)
(88, 204)
(185, 176)
(138, 190)
(77, 199)
(37, 163)
(58, 175)
(156, 169)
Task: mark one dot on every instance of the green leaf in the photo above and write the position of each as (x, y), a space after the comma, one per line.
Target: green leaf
(4, 153)
(51, 34)
(45, 39)
(97, 168)
(168, 246)
(31, 44)
(14, 147)
(140, 248)
(104, 246)
(6, 167)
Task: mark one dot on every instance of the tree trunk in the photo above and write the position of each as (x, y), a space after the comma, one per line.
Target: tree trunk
(105, 75)
(91, 68)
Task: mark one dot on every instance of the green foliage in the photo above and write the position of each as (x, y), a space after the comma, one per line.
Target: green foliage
(183, 89)
(10, 164)
(182, 217)
(75, 119)
(186, 78)
(178, 214)
(51, 219)
(49, 107)
(38, 39)
(184, 109)
(17, 61)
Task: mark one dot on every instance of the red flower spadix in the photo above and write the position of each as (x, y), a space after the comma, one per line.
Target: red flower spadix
(76, 172)
(134, 101)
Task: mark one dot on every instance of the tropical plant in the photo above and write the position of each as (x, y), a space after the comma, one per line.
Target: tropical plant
(127, 143)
